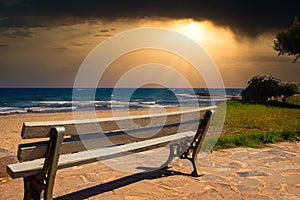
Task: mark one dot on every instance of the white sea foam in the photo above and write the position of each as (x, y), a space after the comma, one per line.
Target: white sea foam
(18, 110)
(148, 102)
(187, 95)
(54, 102)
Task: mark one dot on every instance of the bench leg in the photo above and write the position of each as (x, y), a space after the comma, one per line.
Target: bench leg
(171, 157)
(34, 187)
(41, 186)
(176, 150)
(194, 149)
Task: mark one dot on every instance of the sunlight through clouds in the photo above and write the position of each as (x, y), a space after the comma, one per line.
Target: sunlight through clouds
(238, 58)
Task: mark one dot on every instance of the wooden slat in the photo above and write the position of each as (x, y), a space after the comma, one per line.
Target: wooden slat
(30, 151)
(68, 160)
(41, 129)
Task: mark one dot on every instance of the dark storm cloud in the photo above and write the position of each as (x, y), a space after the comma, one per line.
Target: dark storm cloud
(61, 48)
(81, 44)
(103, 35)
(104, 31)
(247, 17)
(4, 45)
(17, 34)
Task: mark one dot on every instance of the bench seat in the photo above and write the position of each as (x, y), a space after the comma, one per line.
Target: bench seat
(68, 160)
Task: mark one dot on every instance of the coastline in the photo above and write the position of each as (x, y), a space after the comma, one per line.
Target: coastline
(53, 100)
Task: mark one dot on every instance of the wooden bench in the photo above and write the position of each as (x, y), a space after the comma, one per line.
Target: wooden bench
(64, 147)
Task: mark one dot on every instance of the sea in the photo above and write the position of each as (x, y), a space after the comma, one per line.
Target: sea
(49, 100)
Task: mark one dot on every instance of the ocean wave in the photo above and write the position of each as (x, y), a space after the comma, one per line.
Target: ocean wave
(53, 102)
(63, 106)
(12, 111)
(6, 108)
(60, 100)
(18, 110)
(148, 102)
(187, 95)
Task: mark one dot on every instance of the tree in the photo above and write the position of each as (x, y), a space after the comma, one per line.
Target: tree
(260, 88)
(288, 89)
(288, 41)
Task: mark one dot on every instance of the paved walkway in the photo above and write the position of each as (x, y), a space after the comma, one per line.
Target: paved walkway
(266, 173)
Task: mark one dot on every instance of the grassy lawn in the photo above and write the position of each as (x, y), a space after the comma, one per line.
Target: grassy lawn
(294, 99)
(253, 125)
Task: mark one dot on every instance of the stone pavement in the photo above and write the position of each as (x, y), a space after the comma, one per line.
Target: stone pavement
(266, 173)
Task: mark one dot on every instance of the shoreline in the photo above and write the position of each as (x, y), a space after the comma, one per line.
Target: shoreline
(48, 100)
(100, 111)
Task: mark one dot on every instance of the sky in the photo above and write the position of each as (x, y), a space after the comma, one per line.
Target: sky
(43, 43)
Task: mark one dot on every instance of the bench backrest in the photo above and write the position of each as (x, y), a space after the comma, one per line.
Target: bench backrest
(114, 131)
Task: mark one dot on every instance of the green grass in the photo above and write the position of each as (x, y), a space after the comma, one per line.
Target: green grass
(241, 115)
(253, 125)
(294, 100)
(251, 138)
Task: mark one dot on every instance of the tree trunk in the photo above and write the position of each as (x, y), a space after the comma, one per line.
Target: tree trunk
(284, 98)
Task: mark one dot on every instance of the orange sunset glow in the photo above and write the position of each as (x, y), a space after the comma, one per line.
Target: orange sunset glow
(27, 52)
